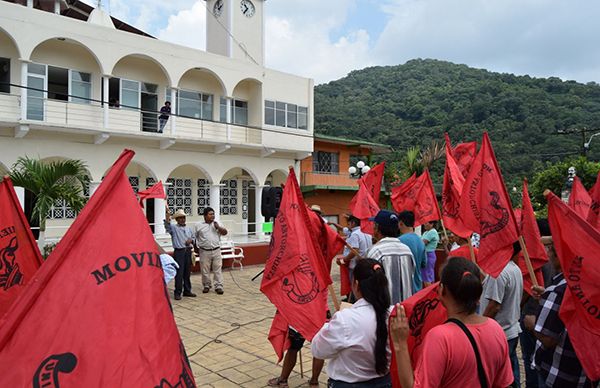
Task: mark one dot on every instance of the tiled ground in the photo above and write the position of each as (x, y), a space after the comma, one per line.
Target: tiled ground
(223, 355)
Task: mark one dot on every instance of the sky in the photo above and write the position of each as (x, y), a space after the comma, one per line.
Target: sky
(326, 39)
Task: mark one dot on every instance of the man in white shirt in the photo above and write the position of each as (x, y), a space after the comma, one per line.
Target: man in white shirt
(395, 257)
(208, 240)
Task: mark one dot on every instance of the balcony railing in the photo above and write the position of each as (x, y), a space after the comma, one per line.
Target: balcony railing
(311, 178)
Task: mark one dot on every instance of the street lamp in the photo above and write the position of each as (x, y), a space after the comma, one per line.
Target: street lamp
(360, 169)
(586, 145)
(566, 191)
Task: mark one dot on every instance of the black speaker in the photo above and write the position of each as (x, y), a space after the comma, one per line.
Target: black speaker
(271, 199)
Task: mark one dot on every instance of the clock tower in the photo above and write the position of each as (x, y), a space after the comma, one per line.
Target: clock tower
(236, 29)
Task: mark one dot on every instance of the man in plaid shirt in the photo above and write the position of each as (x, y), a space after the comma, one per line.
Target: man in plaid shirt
(555, 358)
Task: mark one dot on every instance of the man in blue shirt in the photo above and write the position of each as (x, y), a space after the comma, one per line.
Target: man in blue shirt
(182, 237)
(417, 247)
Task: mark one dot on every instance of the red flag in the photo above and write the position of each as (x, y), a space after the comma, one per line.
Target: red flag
(486, 209)
(20, 256)
(594, 213)
(580, 200)
(417, 196)
(278, 335)
(452, 188)
(363, 206)
(156, 191)
(296, 276)
(373, 180)
(424, 311)
(330, 242)
(464, 154)
(577, 244)
(345, 286)
(97, 312)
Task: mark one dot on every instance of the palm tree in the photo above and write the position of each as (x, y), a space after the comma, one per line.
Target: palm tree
(50, 182)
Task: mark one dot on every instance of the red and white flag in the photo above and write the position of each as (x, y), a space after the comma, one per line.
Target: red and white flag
(97, 313)
(452, 188)
(580, 200)
(577, 244)
(486, 209)
(296, 276)
(20, 256)
(156, 191)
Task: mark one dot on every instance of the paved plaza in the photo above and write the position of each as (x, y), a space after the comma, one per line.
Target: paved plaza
(220, 353)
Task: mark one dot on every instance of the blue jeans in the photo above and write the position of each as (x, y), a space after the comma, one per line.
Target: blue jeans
(380, 382)
(527, 340)
(514, 360)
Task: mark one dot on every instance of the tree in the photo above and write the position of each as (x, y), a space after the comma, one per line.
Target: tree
(553, 177)
(50, 182)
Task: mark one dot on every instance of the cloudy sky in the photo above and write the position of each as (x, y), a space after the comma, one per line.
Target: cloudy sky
(325, 39)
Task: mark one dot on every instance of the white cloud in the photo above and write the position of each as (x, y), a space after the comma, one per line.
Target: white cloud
(187, 27)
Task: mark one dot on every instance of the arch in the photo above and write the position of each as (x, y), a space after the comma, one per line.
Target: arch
(276, 177)
(139, 57)
(246, 83)
(11, 39)
(193, 166)
(188, 188)
(212, 74)
(63, 44)
(240, 172)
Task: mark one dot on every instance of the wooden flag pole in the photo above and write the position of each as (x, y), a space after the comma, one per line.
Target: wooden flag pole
(442, 223)
(336, 302)
(528, 262)
(301, 366)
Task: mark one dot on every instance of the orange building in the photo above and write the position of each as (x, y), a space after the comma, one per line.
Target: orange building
(324, 176)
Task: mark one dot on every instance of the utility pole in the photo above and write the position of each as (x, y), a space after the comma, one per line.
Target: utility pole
(583, 143)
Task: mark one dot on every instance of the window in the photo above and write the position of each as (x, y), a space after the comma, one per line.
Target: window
(60, 209)
(203, 195)
(228, 198)
(239, 112)
(130, 94)
(81, 87)
(326, 162)
(4, 75)
(194, 104)
(287, 115)
(58, 83)
(223, 110)
(179, 195)
(36, 83)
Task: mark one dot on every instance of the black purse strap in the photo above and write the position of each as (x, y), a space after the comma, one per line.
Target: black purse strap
(480, 370)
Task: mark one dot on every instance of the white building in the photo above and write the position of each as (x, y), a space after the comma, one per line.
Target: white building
(74, 86)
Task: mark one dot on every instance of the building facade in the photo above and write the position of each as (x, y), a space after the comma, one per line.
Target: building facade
(325, 180)
(72, 85)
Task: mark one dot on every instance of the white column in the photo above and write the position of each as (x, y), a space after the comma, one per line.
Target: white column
(30, 3)
(260, 220)
(24, 89)
(105, 87)
(93, 187)
(228, 104)
(159, 216)
(20, 191)
(215, 199)
(173, 110)
(57, 6)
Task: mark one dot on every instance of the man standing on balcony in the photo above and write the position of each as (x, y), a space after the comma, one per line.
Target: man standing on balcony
(165, 112)
(183, 238)
(208, 236)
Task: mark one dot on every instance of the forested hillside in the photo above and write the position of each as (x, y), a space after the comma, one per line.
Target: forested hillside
(414, 103)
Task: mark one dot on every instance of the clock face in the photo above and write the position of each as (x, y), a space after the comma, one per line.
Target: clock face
(218, 8)
(247, 8)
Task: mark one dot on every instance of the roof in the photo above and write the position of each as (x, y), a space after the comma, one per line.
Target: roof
(376, 147)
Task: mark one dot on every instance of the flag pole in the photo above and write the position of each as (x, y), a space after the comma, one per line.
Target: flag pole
(528, 261)
(336, 302)
(301, 366)
(471, 250)
(442, 223)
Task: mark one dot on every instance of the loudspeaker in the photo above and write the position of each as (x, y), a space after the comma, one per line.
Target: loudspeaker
(270, 201)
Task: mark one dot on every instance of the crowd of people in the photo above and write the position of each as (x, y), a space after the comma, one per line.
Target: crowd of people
(487, 316)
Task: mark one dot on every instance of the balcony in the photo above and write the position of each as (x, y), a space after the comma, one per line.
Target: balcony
(329, 181)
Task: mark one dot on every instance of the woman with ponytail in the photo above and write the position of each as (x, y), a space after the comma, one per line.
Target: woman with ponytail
(356, 339)
(468, 350)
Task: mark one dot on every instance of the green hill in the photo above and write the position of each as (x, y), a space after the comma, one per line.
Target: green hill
(414, 103)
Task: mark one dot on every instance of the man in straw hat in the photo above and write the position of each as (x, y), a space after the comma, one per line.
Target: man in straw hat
(183, 238)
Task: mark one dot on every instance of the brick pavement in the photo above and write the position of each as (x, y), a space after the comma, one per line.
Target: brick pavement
(244, 357)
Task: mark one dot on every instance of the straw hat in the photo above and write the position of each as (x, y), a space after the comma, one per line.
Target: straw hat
(179, 213)
(316, 208)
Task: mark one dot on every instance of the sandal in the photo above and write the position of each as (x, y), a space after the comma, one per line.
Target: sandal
(277, 382)
(312, 383)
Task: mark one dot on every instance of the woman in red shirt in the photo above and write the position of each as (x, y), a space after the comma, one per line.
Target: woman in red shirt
(448, 357)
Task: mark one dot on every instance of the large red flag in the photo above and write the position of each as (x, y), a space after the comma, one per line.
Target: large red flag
(424, 311)
(594, 213)
(452, 188)
(296, 276)
(580, 200)
(156, 191)
(329, 241)
(97, 313)
(577, 244)
(464, 154)
(486, 209)
(20, 256)
(373, 180)
(363, 206)
(417, 196)
(278, 335)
